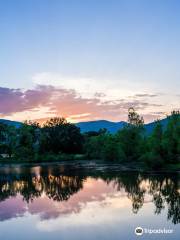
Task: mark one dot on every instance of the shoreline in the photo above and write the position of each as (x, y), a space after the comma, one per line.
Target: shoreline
(98, 165)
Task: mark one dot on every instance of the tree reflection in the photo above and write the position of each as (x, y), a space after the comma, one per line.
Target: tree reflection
(58, 188)
(60, 185)
(163, 190)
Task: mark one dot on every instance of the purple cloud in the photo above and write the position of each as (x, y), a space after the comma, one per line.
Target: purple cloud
(67, 103)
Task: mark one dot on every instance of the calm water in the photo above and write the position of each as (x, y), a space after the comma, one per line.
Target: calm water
(76, 203)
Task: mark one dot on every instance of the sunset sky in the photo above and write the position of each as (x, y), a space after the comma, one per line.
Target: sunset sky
(89, 59)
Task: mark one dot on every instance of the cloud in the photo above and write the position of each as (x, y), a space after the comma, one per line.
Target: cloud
(145, 95)
(88, 86)
(85, 85)
(66, 102)
(16, 100)
(10, 99)
(99, 95)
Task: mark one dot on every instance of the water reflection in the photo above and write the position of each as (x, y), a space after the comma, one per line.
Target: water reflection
(38, 190)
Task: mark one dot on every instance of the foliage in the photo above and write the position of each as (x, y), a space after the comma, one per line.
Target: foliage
(60, 136)
(131, 136)
(171, 139)
(105, 147)
(7, 139)
(154, 155)
(134, 118)
(58, 140)
(28, 140)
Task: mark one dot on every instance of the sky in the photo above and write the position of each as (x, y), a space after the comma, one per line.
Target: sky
(89, 59)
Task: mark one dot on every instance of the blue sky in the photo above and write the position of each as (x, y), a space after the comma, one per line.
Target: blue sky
(117, 48)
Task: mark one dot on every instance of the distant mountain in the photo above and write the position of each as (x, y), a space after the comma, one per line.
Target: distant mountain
(11, 123)
(113, 127)
(150, 126)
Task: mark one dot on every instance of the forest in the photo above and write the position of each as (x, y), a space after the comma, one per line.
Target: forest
(60, 140)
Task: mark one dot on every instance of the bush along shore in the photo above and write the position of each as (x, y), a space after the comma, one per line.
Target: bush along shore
(59, 140)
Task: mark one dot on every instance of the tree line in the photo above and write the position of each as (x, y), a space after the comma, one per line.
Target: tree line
(60, 139)
(134, 144)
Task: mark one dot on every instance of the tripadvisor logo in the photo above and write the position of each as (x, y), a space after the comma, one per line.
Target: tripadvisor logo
(139, 231)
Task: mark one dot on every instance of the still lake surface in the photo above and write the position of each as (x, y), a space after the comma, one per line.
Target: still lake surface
(69, 202)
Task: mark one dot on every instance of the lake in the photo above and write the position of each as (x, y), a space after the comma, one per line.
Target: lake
(75, 202)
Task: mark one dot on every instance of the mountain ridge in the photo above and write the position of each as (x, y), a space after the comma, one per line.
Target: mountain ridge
(113, 127)
(96, 125)
(11, 123)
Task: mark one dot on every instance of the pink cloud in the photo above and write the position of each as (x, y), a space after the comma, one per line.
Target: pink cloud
(67, 103)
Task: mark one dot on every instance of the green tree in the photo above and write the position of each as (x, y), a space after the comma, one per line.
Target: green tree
(154, 157)
(3, 134)
(134, 119)
(27, 140)
(104, 146)
(171, 139)
(131, 136)
(59, 136)
(8, 137)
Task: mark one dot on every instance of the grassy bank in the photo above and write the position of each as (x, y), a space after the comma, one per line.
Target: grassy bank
(44, 158)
